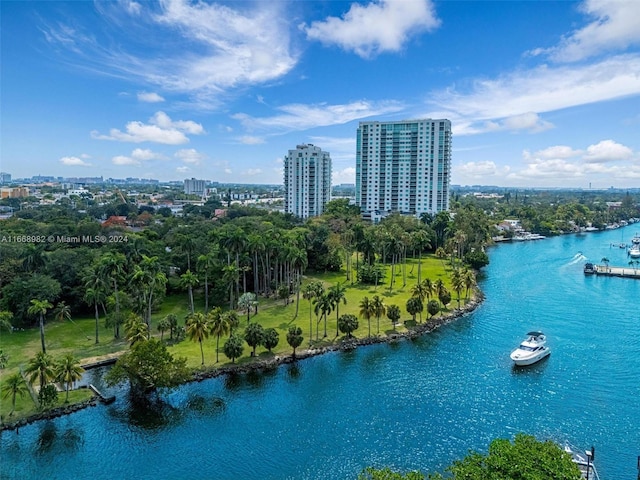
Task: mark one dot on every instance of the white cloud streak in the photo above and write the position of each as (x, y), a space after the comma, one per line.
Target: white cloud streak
(518, 96)
(380, 26)
(301, 117)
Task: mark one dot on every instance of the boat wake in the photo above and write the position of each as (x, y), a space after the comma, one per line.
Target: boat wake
(578, 257)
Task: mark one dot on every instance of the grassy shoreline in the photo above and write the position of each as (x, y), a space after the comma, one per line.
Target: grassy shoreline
(78, 337)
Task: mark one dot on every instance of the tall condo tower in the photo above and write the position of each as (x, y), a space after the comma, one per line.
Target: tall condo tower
(307, 180)
(403, 167)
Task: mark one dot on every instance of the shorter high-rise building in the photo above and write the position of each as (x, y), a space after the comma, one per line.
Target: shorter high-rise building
(195, 187)
(5, 178)
(307, 180)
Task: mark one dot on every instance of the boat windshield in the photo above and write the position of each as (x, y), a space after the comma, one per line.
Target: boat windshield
(527, 348)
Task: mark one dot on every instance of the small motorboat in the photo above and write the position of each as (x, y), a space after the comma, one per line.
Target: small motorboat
(589, 268)
(531, 350)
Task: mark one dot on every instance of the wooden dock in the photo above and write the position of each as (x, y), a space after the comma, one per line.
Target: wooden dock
(102, 398)
(626, 272)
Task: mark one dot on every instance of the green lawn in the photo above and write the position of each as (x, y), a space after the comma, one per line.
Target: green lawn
(78, 336)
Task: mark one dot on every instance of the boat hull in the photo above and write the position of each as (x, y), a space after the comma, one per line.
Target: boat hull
(525, 360)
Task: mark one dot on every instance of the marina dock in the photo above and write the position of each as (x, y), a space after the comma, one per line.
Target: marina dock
(626, 272)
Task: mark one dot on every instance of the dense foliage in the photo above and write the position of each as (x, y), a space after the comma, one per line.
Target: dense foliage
(526, 458)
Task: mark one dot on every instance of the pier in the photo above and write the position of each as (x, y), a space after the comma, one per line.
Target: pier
(626, 272)
(102, 398)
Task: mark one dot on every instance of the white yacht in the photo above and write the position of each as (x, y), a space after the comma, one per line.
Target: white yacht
(531, 350)
(584, 462)
(634, 251)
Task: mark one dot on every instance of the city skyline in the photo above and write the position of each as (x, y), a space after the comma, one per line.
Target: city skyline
(539, 94)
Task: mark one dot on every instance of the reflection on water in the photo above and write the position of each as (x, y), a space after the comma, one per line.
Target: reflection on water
(50, 439)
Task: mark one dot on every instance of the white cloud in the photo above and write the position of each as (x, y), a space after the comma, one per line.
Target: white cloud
(380, 26)
(75, 161)
(190, 155)
(556, 151)
(134, 8)
(124, 160)
(614, 27)
(252, 172)
(476, 170)
(516, 95)
(183, 169)
(346, 175)
(150, 97)
(607, 151)
(161, 129)
(301, 117)
(251, 140)
(146, 154)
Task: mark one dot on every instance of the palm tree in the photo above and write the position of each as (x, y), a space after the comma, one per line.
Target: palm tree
(294, 338)
(62, 312)
(457, 283)
(232, 318)
(136, 329)
(439, 288)
(366, 311)
(13, 386)
(231, 276)
(163, 325)
(40, 307)
(233, 347)
(323, 307)
(337, 294)
(246, 302)
(148, 278)
(393, 314)
(68, 370)
(5, 321)
(379, 309)
(40, 367)
(309, 293)
(469, 278)
(220, 325)
(206, 265)
(198, 329)
(414, 306)
(33, 257)
(95, 294)
(348, 323)
(189, 280)
(428, 288)
(111, 269)
(421, 241)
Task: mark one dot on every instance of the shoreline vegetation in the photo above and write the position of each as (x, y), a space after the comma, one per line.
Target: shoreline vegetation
(257, 364)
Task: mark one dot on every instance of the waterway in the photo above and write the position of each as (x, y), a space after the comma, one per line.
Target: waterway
(416, 404)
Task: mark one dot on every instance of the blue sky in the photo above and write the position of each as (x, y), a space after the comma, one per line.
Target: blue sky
(540, 93)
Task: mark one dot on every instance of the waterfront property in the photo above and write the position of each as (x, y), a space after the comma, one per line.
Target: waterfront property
(414, 405)
(403, 166)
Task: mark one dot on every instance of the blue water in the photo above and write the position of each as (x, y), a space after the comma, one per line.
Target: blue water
(412, 405)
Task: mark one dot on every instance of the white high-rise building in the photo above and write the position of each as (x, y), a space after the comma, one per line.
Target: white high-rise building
(307, 180)
(403, 167)
(194, 186)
